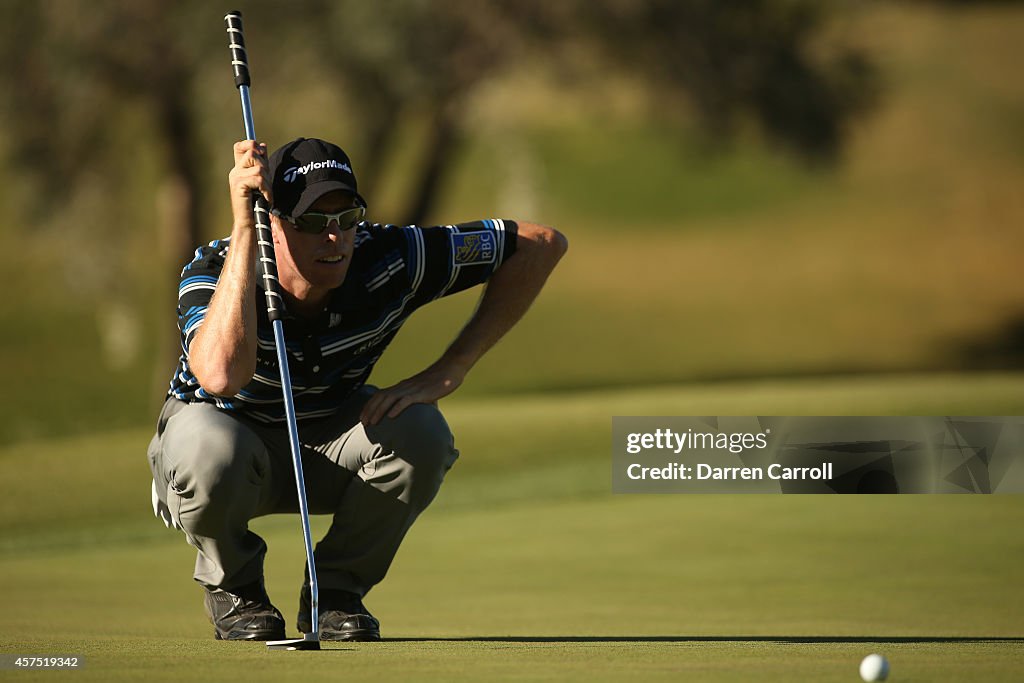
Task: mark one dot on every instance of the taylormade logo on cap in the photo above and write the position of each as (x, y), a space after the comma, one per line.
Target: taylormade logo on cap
(290, 174)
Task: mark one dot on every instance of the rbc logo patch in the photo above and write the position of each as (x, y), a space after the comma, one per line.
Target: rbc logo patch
(473, 248)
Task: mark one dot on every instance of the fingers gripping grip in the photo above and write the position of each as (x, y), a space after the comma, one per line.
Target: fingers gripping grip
(236, 43)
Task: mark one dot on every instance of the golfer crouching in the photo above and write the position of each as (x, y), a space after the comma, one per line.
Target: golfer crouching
(373, 458)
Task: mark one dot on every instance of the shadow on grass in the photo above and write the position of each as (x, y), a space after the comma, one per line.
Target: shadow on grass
(712, 639)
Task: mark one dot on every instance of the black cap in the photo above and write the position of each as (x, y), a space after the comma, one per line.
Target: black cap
(306, 169)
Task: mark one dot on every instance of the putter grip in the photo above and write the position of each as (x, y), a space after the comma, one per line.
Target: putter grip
(236, 43)
(265, 255)
(264, 238)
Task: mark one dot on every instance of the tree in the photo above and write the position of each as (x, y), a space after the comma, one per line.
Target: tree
(82, 68)
(754, 59)
(421, 55)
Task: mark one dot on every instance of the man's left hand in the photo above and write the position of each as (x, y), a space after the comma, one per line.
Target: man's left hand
(437, 381)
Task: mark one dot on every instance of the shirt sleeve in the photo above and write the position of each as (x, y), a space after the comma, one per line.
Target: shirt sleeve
(198, 282)
(447, 259)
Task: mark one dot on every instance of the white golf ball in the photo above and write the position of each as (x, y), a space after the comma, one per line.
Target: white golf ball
(874, 668)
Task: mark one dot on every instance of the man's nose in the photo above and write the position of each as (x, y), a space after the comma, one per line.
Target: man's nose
(334, 231)
(333, 228)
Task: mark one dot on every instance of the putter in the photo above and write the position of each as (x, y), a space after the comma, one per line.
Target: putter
(275, 310)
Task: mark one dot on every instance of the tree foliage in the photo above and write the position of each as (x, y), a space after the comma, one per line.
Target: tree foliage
(742, 59)
(753, 60)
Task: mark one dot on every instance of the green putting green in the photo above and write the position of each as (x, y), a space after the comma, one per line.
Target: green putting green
(529, 569)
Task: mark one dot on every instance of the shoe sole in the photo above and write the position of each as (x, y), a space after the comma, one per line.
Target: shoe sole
(363, 635)
(249, 635)
(351, 636)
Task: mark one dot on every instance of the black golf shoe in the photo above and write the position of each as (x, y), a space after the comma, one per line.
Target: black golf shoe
(342, 616)
(244, 613)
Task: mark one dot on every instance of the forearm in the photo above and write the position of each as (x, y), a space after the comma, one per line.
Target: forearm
(223, 353)
(509, 293)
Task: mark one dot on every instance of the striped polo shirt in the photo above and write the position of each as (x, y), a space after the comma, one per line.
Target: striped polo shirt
(394, 271)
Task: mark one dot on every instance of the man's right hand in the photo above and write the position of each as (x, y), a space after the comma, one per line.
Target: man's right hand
(250, 172)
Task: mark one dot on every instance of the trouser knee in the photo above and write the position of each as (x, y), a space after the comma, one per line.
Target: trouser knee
(215, 473)
(421, 439)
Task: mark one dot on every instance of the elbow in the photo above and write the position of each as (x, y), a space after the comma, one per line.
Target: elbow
(221, 370)
(544, 240)
(219, 384)
(221, 381)
(559, 243)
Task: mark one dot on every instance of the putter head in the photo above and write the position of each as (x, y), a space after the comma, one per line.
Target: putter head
(306, 643)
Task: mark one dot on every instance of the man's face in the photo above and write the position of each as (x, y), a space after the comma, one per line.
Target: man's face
(309, 265)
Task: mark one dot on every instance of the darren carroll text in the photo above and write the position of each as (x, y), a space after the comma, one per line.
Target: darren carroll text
(702, 471)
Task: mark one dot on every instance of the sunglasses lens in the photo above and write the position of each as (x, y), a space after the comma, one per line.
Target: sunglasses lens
(350, 219)
(316, 223)
(311, 222)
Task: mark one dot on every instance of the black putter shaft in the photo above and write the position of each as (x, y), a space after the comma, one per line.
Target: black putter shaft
(275, 310)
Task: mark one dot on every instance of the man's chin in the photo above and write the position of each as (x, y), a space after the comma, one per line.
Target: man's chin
(329, 275)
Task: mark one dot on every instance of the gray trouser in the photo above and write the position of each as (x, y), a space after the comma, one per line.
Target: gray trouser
(214, 471)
